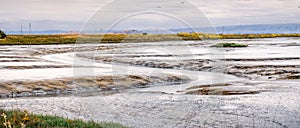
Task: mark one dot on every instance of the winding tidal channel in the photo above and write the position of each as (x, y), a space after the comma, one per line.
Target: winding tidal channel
(158, 84)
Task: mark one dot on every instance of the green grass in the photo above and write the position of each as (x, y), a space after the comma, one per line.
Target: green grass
(23, 119)
(124, 38)
(230, 45)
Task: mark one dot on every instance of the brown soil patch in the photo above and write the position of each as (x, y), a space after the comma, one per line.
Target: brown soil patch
(220, 91)
(207, 86)
(290, 77)
(269, 72)
(37, 66)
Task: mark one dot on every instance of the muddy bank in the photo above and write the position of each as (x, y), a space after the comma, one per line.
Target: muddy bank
(36, 67)
(220, 89)
(195, 65)
(18, 60)
(129, 54)
(84, 84)
(264, 72)
(255, 72)
(145, 101)
(264, 59)
(144, 110)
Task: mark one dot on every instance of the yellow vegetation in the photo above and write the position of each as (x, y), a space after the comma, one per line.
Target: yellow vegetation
(124, 38)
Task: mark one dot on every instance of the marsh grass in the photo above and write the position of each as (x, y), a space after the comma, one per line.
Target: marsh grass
(201, 36)
(38, 39)
(23, 119)
(124, 38)
(253, 36)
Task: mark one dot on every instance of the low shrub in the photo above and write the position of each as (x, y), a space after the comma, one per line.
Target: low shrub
(2, 35)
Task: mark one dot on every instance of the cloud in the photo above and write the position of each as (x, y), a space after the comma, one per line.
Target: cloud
(234, 12)
(73, 14)
(48, 14)
(148, 14)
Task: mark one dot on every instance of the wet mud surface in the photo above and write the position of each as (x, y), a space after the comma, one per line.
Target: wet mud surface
(165, 84)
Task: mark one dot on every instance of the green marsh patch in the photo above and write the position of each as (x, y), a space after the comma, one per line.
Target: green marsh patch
(23, 119)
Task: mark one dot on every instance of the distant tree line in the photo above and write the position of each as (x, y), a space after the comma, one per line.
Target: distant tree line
(2, 35)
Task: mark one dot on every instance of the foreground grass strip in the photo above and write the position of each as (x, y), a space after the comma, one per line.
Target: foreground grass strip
(23, 119)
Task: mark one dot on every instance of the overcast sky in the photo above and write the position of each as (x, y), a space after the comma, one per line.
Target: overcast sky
(74, 14)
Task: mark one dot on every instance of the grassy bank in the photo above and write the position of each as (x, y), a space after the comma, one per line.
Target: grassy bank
(119, 38)
(195, 36)
(71, 39)
(22, 119)
(38, 39)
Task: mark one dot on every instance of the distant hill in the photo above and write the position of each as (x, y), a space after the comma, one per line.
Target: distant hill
(247, 29)
(38, 32)
(236, 29)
